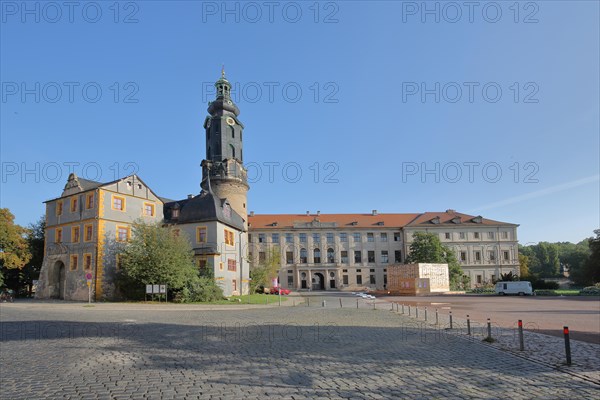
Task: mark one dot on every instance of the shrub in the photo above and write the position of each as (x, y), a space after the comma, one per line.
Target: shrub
(202, 289)
(545, 292)
(590, 291)
(544, 285)
(482, 290)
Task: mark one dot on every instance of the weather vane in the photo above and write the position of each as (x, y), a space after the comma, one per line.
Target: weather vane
(223, 71)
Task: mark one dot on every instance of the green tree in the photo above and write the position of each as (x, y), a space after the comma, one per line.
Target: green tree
(267, 269)
(14, 250)
(35, 240)
(523, 266)
(427, 248)
(155, 256)
(586, 271)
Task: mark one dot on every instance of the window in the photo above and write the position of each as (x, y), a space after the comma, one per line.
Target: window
(479, 279)
(303, 256)
(396, 236)
(221, 266)
(202, 263)
(463, 256)
(372, 279)
(229, 237)
(262, 238)
(87, 261)
(234, 284)
(262, 256)
(118, 203)
(505, 255)
(275, 238)
(383, 237)
(59, 208)
(359, 279)
(345, 279)
(371, 256)
(316, 237)
(75, 234)
(492, 255)
(356, 236)
(384, 257)
(357, 257)
(88, 232)
(461, 235)
(477, 256)
(89, 201)
(289, 238)
(123, 233)
(476, 235)
(384, 280)
(504, 235)
(289, 257)
(447, 235)
(249, 238)
(231, 265)
(290, 281)
(343, 237)
(370, 237)
(358, 270)
(330, 256)
(201, 234)
(344, 257)
(330, 238)
(74, 204)
(372, 270)
(302, 238)
(231, 151)
(398, 256)
(73, 263)
(148, 209)
(317, 256)
(58, 235)
(490, 235)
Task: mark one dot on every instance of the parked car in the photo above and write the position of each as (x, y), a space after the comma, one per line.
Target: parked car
(277, 290)
(522, 288)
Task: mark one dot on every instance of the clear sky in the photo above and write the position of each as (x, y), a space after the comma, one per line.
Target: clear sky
(487, 108)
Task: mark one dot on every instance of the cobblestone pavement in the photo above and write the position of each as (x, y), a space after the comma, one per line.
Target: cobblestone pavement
(126, 351)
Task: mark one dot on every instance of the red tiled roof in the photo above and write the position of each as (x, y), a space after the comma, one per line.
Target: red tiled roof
(279, 221)
(265, 221)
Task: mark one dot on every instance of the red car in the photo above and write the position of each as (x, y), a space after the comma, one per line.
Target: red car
(276, 290)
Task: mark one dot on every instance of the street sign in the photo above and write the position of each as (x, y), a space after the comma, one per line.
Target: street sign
(148, 289)
(89, 283)
(155, 288)
(88, 276)
(163, 289)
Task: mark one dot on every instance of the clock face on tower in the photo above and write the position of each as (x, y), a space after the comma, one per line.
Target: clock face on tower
(230, 121)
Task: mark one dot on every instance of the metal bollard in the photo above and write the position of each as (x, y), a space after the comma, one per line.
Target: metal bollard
(521, 342)
(308, 302)
(450, 319)
(324, 303)
(294, 303)
(266, 299)
(567, 344)
(489, 329)
(436, 316)
(409, 310)
(402, 308)
(468, 325)
(392, 307)
(425, 313)
(417, 312)
(373, 304)
(341, 302)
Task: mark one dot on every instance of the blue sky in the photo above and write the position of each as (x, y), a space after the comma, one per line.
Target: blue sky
(384, 105)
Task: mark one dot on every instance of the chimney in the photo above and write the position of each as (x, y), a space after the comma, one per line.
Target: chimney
(450, 211)
(374, 212)
(308, 213)
(252, 213)
(190, 196)
(318, 212)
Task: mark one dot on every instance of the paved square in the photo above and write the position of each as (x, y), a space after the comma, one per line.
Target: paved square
(129, 351)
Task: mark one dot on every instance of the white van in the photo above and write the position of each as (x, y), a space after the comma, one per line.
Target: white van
(522, 288)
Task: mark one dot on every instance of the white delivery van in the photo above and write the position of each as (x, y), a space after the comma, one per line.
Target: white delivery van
(522, 288)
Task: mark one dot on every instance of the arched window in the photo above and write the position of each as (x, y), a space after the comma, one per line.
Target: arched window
(232, 151)
(232, 132)
(330, 257)
(303, 256)
(317, 257)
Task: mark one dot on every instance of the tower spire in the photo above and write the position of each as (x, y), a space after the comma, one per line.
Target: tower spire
(223, 71)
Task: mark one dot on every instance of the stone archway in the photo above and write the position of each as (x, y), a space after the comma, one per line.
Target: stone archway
(57, 280)
(318, 281)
